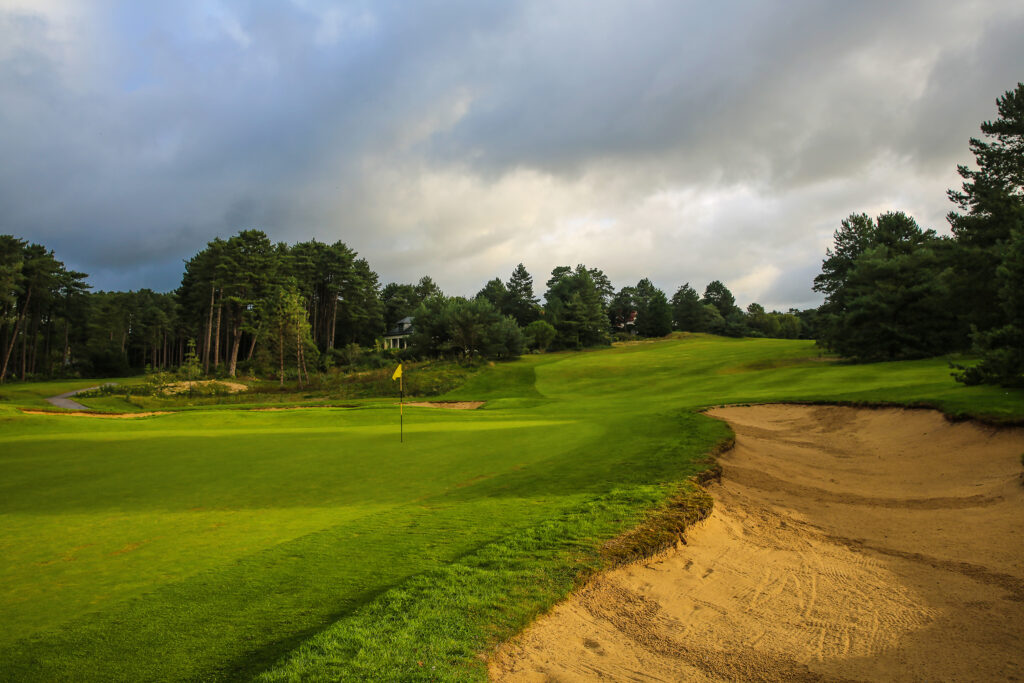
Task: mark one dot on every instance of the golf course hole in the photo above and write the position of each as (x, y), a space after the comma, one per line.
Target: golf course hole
(844, 543)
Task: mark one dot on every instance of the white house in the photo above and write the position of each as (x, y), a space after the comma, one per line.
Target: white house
(398, 336)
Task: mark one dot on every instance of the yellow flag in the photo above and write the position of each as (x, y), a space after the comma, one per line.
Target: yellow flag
(398, 373)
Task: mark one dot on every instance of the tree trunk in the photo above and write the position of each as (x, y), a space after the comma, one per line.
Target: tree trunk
(280, 348)
(233, 362)
(252, 346)
(298, 358)
(209, 331)
(33, 357)
(334, 324)
(216, 343)
(316, 312)
(24, 348)
(302, 355)
(47, 339)
(67, 346)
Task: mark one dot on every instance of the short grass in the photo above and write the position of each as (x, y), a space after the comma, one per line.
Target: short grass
(34, 394)
(311, 545)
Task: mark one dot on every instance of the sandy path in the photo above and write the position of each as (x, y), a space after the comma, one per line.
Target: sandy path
(64, 400)
(845, 544)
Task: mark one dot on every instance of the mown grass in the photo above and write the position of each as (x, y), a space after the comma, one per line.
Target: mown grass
(34, 394)
(310, 545)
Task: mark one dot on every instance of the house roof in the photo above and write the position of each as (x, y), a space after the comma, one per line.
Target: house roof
(402, 328)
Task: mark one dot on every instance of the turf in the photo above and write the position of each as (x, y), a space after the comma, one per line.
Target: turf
(34, 394)
(227, 544)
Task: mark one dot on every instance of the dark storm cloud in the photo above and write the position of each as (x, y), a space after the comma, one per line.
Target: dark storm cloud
(685, 141)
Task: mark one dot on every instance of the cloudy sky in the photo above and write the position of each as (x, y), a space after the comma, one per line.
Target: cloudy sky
(680, 141)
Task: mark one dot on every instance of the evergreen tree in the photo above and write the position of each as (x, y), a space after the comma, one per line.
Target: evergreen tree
(495, 293)
(426, 288)
(399, 301)
(539, 335)
(887, 296)
(249, 271)
(576, 307)
(521, 303)
(622, 310)
(719, 296)
(654, 316)
(989, 276)
(687, 310)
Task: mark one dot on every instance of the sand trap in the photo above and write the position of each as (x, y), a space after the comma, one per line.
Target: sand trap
(845, 543)
(79, 413)
(183, 387)
(450, 405)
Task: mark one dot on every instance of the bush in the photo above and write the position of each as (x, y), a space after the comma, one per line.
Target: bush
(539, 335)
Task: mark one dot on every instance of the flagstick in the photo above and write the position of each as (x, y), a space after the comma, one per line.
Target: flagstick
(401, 414)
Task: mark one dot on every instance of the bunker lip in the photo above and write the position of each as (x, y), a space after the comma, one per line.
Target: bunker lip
(844, 543)
(990, 420)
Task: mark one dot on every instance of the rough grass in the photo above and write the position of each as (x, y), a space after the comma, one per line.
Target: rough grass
(216, 543)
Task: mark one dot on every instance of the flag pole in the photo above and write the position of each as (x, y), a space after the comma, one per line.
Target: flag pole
(401, 399)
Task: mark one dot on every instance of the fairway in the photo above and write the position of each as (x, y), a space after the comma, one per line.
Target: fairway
(223, 544)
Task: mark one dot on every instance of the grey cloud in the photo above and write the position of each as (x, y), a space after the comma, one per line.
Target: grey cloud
(142, 132)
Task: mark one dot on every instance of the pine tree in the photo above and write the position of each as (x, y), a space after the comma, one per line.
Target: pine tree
(990, 245)
(687, 311)
(522, 304)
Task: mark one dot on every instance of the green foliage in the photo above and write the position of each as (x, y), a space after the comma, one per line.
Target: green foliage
(521, 303)
(38, 295)
(191, 369)
(712, 320)
(539, 335)
(719, 296)
(643, 309)
(886, 291)
(989, 277)
(653, 314)
(991, 205)
(494, 292)
(894, 291)
(399, 301)
(468, 324)
(577, 306)
(288, 331)
(687, 311)
(464, 328)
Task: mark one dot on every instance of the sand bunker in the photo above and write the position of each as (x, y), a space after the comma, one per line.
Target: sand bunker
(184, 387)
(845, 543)
(79, 413)
(450, 405)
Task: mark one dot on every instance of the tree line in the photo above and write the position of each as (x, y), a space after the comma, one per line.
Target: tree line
(892, 291)
(278, 309)
(896, 291)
